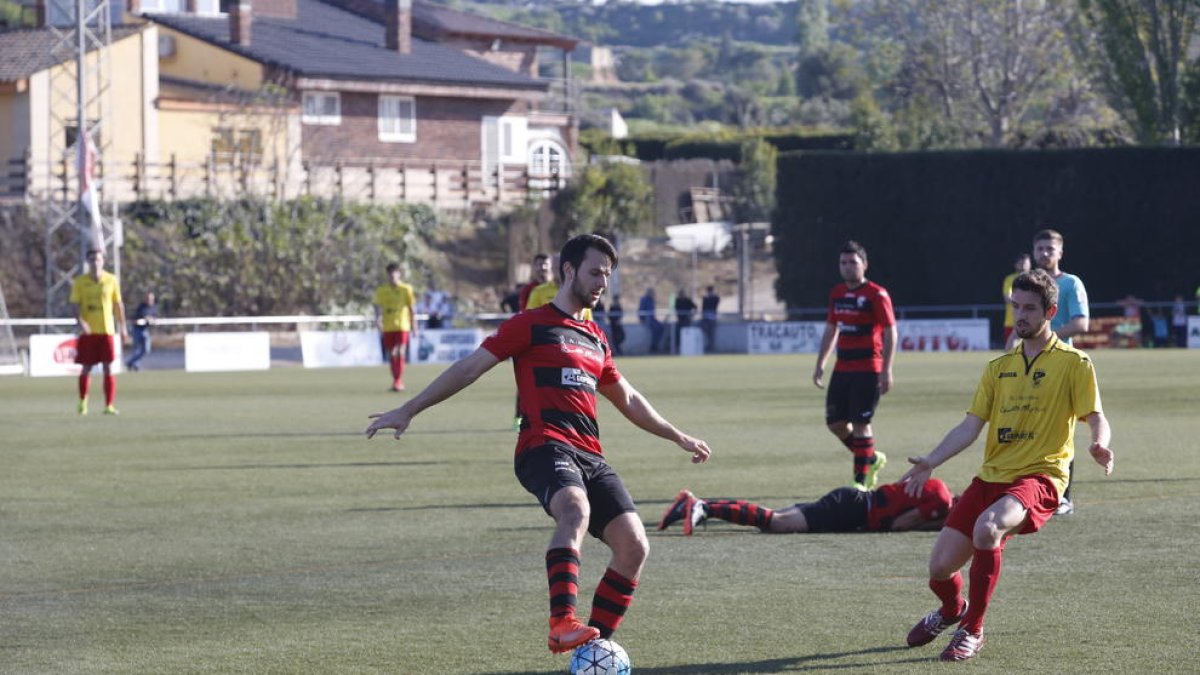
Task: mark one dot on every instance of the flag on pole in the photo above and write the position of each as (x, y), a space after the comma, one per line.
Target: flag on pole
(89, 199)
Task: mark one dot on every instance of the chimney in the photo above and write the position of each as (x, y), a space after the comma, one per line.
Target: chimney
(239, 22)
(398, 22)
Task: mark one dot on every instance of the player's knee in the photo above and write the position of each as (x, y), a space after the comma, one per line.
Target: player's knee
(987, 533)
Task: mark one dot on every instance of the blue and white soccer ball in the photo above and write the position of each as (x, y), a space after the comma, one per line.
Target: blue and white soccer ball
(600, 657)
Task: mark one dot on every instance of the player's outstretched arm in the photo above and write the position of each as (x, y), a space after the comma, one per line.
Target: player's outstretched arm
(453, 380)
(1101, 438)
(638, 410)
(955, 441)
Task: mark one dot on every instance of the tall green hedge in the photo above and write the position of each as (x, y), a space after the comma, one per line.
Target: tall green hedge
(943, 227)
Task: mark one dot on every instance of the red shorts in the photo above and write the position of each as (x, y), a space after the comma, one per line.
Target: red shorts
(94, 348)
(395, 339)
(1036, 493)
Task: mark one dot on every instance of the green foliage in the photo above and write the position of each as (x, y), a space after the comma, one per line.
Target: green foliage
(254, 257)
(1141, 57)
(872, 128)
(606, 197)
(754, 186)
(812, 26)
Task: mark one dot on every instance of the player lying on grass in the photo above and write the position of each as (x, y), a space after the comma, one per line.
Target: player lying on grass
(844, 509)
(561, 362)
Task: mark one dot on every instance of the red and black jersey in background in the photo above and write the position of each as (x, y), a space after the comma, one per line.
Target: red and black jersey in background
(558, 362)
(861, 315)
(891, 500)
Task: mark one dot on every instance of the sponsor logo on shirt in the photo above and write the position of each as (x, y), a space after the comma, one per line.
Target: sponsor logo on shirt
(1008, 435)
(1008, 373)
(1037, 377)
(575, 377)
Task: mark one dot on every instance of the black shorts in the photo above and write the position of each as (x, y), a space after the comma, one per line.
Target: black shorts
(840, 510)
(851, 397)
(546, 469)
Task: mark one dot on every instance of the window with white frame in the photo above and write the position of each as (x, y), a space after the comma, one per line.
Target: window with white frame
(397, 119)
(547, 158)
(512, 138)
(322, 107)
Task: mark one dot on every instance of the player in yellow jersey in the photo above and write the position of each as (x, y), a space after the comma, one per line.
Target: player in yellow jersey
(97, 299)
(1031, 397)
(1023, 263)
(395, 317)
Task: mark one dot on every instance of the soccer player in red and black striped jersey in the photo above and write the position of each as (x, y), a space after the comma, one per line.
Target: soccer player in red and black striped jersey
(846, 509)
(862, 324)
(561, 362)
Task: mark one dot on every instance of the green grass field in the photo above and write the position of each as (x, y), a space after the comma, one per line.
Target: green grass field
(240, 523)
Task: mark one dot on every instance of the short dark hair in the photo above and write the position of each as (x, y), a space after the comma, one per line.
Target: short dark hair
(856, 248)
(94, 251)
(576, 249)
(1052, 235)
(393, 267)
(540, 257)
(1038, 281)
(1023, 256)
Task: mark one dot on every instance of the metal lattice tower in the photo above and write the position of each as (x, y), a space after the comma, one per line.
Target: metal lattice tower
(79, 100)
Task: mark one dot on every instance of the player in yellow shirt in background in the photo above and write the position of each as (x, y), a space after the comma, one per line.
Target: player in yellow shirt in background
(97, 299)
(396, 318)
(1031, 396)
(1023, 263)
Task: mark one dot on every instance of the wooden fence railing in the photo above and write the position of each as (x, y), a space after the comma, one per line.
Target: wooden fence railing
(443, 184)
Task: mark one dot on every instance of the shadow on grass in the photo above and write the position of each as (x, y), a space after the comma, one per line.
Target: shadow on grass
(441, 507)
(813, 662)
(340, 465)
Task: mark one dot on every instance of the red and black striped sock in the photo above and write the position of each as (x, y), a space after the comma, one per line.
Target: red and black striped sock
(949, 591)
(864, 456)
(562, 569)
(740, 512)
(613, 596)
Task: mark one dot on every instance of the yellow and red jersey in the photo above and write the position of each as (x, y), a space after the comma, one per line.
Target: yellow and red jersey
(96, 300)
(1031, 406)
(395, 302)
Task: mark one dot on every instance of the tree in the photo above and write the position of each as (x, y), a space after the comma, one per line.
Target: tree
(812, 26)
(609, 197)
(754, 187)
(982, 64)
(1138, 50)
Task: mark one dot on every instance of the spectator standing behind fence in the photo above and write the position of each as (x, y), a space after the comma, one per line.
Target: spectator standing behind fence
(616, 314)
(1179, 321)
(685, 309)
(143, 317)
(1072, 316)
(646, 309)
(860, 321)
(1020, 265)
(395, 317)
(97, 299)
(708, 317)
(437, 307)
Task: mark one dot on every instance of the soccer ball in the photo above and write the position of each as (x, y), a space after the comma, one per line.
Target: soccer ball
(600, 657)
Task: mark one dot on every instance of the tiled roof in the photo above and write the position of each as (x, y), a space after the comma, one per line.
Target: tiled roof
(325, 41)
(442, 19)
(26, 51)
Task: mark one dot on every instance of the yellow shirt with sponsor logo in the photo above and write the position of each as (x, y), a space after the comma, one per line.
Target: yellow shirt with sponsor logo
(395, 303)
(1031, 407)
(96, 299)
(544, 293)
